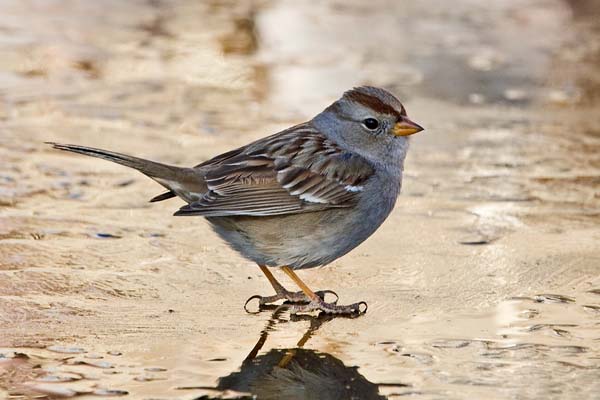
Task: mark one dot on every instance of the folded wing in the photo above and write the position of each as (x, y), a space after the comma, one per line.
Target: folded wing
(297, 170)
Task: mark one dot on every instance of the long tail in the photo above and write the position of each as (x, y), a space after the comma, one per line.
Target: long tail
(173, 178)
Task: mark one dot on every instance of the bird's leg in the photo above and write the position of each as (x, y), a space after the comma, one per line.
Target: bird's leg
(282, 293)
(317, 303)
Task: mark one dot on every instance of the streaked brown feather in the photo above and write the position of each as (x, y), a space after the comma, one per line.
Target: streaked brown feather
(297, 170)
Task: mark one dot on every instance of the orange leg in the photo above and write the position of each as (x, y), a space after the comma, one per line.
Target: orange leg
(309, 293)
(317, 303)
(282, 293)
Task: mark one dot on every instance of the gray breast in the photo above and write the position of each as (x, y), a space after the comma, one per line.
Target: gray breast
(312, 239)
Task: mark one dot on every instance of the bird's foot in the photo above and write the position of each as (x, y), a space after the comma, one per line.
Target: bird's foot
(290, 297)
(329, 308)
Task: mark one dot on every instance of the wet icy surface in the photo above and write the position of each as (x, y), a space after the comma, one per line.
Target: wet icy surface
(484, 282)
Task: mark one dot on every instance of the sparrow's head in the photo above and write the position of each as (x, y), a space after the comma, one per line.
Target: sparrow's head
(370, 120)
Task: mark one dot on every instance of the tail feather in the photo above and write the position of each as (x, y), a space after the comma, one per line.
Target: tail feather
(163, 196)
(147, 167)
(179, 181)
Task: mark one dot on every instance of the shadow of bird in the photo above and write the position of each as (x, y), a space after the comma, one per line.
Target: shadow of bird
(297, 373)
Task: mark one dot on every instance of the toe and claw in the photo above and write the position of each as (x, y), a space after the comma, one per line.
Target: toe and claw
(304, 301)
(299, 303)
(289, 297)
(329, 308)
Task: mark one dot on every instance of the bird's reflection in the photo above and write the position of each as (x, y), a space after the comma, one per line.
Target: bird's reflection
(297, 373)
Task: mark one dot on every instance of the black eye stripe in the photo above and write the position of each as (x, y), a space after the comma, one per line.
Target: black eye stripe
(371, 123)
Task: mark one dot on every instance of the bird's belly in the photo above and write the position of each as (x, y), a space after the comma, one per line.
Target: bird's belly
(300, 240)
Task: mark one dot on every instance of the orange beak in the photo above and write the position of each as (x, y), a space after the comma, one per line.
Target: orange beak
(406, 127)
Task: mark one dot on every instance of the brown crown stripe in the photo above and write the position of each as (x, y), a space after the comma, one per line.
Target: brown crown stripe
(372, 102)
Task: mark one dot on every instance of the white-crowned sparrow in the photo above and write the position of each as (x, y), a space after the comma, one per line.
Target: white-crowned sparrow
(302, 197)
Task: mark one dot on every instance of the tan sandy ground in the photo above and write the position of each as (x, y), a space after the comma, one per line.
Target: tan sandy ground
(483, 283)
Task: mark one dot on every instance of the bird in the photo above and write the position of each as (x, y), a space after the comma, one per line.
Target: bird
(300, 198)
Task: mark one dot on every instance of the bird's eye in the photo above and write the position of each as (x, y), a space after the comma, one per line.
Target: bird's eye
(371, 123)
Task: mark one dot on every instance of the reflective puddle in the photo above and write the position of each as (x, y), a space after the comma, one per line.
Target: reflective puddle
(483, 283)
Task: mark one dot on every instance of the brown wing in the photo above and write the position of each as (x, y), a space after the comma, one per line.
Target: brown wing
(298, 170)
